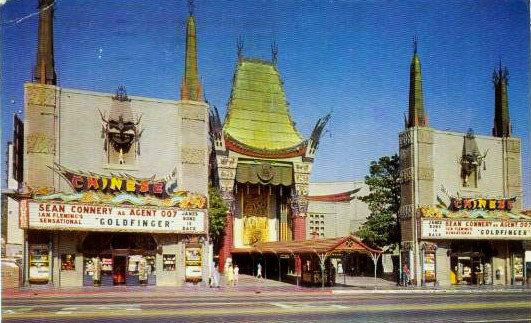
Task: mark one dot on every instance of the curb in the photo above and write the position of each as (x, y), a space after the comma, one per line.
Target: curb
(136, 293)
(427, 291)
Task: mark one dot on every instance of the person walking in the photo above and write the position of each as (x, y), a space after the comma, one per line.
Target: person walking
(406, 273)
(259, 271)
(236, 274)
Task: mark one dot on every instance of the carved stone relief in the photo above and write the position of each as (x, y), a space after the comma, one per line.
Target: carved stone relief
(302, 167)
(227, 173)
(227, 162)
(406, 138)
(406, 174)
(193, 156)
(425, 136)
(425, 173)
(40, 143)
(406, 211)
(193, 113)
(41, 95)
(302, 178)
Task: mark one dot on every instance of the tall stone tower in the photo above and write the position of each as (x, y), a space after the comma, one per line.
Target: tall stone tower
(416, 161)
(503, 129)
(502, 123)
(191, 88)
(417, 116)
(44, 72)
(40, 108)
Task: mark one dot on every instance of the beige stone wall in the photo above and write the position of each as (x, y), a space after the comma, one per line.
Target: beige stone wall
(340, 218)
(170, 245)
(40, 128)
(430, 168)
(15, 235)
(66, 243)
(175, 136)
(65, 126)
(430, 162)
(501, 178)
(442, 260)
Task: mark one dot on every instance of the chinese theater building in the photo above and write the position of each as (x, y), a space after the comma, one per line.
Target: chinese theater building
(461, 196)
(263, 163)
(114, 186)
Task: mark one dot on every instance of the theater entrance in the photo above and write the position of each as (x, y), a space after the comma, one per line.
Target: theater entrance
(118, 270)
(471, 263)
(112, 259)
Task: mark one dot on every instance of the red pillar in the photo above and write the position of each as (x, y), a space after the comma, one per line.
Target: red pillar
(299, 233)
(227, 244)
(299, 228)
(298, 265)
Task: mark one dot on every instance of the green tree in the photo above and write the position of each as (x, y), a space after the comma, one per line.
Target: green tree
(382, 228)
(217, 215)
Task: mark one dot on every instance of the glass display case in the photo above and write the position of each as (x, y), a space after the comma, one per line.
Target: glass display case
(429, 267)
(168, 262)
(68, 262)
(193, 261)
(39, 263)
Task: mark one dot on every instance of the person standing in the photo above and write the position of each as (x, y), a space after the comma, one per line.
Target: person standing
(236, 274)
(215, 277)
(229, 275)
(96, 275)
(259, 271)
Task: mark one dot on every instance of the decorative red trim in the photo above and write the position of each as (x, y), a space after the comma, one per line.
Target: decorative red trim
(338, 197)
(235, 146)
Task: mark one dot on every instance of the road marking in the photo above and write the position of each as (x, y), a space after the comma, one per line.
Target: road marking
(488, 321)
(281, 305)
(307, 306)
(9, 312)
(63, 312)
(201, 312)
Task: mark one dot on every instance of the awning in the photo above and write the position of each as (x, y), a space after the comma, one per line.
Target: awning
(338, 197)
(315, 246)
(264, 173)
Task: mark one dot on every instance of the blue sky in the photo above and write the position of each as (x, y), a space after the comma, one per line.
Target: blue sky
(348, 57)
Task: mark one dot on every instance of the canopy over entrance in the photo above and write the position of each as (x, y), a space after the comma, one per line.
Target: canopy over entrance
(322, 248)
(316, 246)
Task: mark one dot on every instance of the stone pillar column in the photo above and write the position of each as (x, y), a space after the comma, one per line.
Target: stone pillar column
(227, 243)
(299, 227)
(40, 135)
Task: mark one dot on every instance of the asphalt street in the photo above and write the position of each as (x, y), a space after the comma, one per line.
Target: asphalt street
(284, 307)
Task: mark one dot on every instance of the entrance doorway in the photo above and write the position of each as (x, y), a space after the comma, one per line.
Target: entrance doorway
(471, 263)
(121, 258)
(118, 275)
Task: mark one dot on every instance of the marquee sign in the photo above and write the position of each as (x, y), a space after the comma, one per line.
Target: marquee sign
(82, 182)
(475, 229)
(85, 217)
(481, 204)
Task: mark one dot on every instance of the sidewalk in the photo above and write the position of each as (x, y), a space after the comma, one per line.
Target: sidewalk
(252, 286)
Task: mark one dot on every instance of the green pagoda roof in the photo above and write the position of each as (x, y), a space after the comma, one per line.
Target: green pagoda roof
(258, 117)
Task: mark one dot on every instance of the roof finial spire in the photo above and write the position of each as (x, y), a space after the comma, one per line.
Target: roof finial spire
(274, 52)
(44, 71)
(191, 7)
(417, 116)
(502, 123)
(239, 46)
(191, 88)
